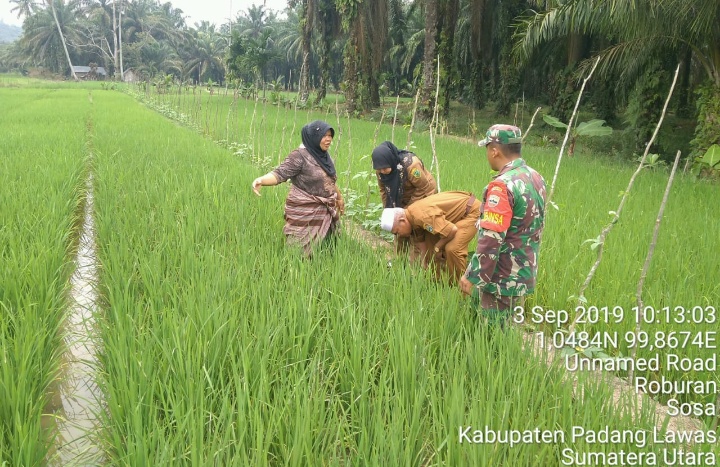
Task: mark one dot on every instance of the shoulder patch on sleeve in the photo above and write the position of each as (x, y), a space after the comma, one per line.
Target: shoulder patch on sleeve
(416, 173)
(497, 213)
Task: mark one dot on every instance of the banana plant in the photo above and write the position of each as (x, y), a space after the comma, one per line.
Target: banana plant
(595, 127)
(709, 163)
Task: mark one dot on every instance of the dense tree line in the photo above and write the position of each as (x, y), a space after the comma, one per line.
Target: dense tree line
(489, 51)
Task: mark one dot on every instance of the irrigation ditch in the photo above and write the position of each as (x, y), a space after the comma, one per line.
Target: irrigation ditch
(80, 395)
(76, 399)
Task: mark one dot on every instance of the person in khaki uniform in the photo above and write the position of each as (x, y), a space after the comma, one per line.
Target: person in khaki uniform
(402, 176)
(440, 226)
(403, 180)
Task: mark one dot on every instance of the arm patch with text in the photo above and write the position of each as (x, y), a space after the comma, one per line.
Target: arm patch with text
(498, 212)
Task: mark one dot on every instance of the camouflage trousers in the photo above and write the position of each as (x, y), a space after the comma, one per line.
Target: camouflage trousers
(496, 310)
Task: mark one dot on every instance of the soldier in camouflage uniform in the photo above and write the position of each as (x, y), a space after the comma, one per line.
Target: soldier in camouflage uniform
(504, 267)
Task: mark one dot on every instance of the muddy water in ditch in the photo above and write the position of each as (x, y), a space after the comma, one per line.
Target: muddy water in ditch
(76, 397)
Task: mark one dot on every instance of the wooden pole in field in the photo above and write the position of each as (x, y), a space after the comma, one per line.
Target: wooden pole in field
(599, 242)
(648, 259)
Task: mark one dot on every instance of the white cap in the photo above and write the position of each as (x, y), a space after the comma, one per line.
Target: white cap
(387, 220)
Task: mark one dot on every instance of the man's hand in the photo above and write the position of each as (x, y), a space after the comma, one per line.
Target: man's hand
(422, 248)
(466, 287)
(439, 255)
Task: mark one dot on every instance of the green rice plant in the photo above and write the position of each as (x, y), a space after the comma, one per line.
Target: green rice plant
(41, 190)
(222, 346)
(586, 193)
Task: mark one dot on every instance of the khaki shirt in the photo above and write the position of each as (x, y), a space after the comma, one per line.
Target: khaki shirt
(419, 184)
(436, 214)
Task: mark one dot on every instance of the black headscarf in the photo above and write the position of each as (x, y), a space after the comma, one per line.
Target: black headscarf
(312, 134)
(388, 155)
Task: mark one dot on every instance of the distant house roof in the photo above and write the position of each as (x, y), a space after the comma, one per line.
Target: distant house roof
(86, 69)
(130, 76)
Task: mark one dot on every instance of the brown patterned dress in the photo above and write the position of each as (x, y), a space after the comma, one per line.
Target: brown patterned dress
(311, 212)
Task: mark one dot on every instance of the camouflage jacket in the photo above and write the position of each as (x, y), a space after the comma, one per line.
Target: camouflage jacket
(513, 217)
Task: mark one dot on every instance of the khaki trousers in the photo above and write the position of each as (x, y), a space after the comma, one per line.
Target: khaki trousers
(455, 255)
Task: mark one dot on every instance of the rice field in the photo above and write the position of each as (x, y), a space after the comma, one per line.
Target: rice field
(221, 346)
(42, 170)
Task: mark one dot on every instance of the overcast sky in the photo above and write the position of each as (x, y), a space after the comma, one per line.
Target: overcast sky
(216, 11)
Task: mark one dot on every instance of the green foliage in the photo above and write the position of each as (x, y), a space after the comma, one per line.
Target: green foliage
(595, 127)
(712, 156)
(163, 83)
(707, 131)
(562, 93)
(363, 208)
(276, 88)
(645, 105)
(708, 164)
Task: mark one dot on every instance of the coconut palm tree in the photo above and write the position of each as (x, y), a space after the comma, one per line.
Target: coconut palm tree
(254, 22)
(51, 3)
(639, 28)
(45, 31)
(307, 17)
(202, 54)
(24, 8)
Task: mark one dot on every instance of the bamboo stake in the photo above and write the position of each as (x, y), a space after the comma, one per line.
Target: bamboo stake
(228, 122)
(278, 148)
(648, 258)
(217, 114)
(294, 124)
(531, 124)
(262, 125)
(338, 133)
(349, 145)
(433, 129)
(397, 104)
(569, 129)
(377, 128)
(208, 114)
(600, 241)
(412, 122)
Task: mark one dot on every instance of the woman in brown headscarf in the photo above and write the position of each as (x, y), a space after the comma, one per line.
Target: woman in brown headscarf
(314, 205)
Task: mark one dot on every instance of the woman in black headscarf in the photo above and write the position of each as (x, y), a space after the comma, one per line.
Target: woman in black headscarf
(314, 205)
(402, 176)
